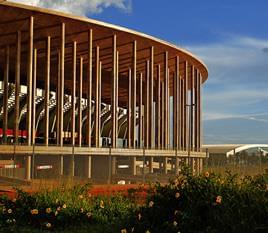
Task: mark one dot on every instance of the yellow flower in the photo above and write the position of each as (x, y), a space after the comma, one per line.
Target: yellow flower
(48, 225)
(151, 203)
(218, 199)
(177, 195)
(80, 196)
(102, 204)
(34, 211)
(9, 211)
(64, 206)
(48, 210)
(124, 231)
(206, 174)
(89, 215)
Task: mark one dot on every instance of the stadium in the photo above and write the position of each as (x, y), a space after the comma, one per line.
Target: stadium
(84, 98)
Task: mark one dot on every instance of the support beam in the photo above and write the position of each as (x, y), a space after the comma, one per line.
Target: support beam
(133, 166)
(129, 110)
(89, 87)
(80, 95)
(58, 102)
(146, 105)
(28, 167)
(61, 165)
(175, 126)
(114, 95)
(196, 110)
(34, 95)
(199, 111)
(158, 107)
(5, 100)
(140, 112)
(47, 90)
(62, 64)
(191, 109)
(134, 93)
(97, 100)
(176, 104)
(73, 94)
(30, 80)
(151, 164)
(151, 102)
(167, 139)
(165, 170)
(182, 108)
(186, 110)
(17, 88)
(163, 123)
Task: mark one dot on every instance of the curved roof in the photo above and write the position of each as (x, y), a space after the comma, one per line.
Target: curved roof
(15, 17)
(245, 147)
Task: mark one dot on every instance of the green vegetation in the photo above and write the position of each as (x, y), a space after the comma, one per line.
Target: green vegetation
(206, 203)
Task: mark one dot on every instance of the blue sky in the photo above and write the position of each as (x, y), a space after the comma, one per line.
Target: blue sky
(231, 37)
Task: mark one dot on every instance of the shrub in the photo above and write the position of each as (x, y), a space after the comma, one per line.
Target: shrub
(206, 203)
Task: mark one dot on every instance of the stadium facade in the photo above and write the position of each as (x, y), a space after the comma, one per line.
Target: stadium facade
(84, 94)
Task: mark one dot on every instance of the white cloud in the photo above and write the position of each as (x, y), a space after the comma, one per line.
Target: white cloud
(238, 77)
(79, 7)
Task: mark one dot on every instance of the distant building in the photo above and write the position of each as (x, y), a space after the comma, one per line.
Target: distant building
(79, 96)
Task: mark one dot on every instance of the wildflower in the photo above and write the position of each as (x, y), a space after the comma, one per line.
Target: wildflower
(147, 231)
(64, 206)
(175, 223)
(4, 209)
(56, 213)
(34, 211)
(102, 204)
(9, 211)
(176, 182)
(81, 210)
(177, 195)
(9, 221)
(206, 174)
(89, 215)
(151, 203)
(14, 200)
(139, 216)
(80, 196)
(48, 210)
(124, 231)
(218, 199)
(57, 201)
(176, 212)
(89, 195)
(59, 208)
(14, 220)
(48, 225)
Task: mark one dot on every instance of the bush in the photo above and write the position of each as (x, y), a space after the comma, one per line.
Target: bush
(207, 203)
(62, 208)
